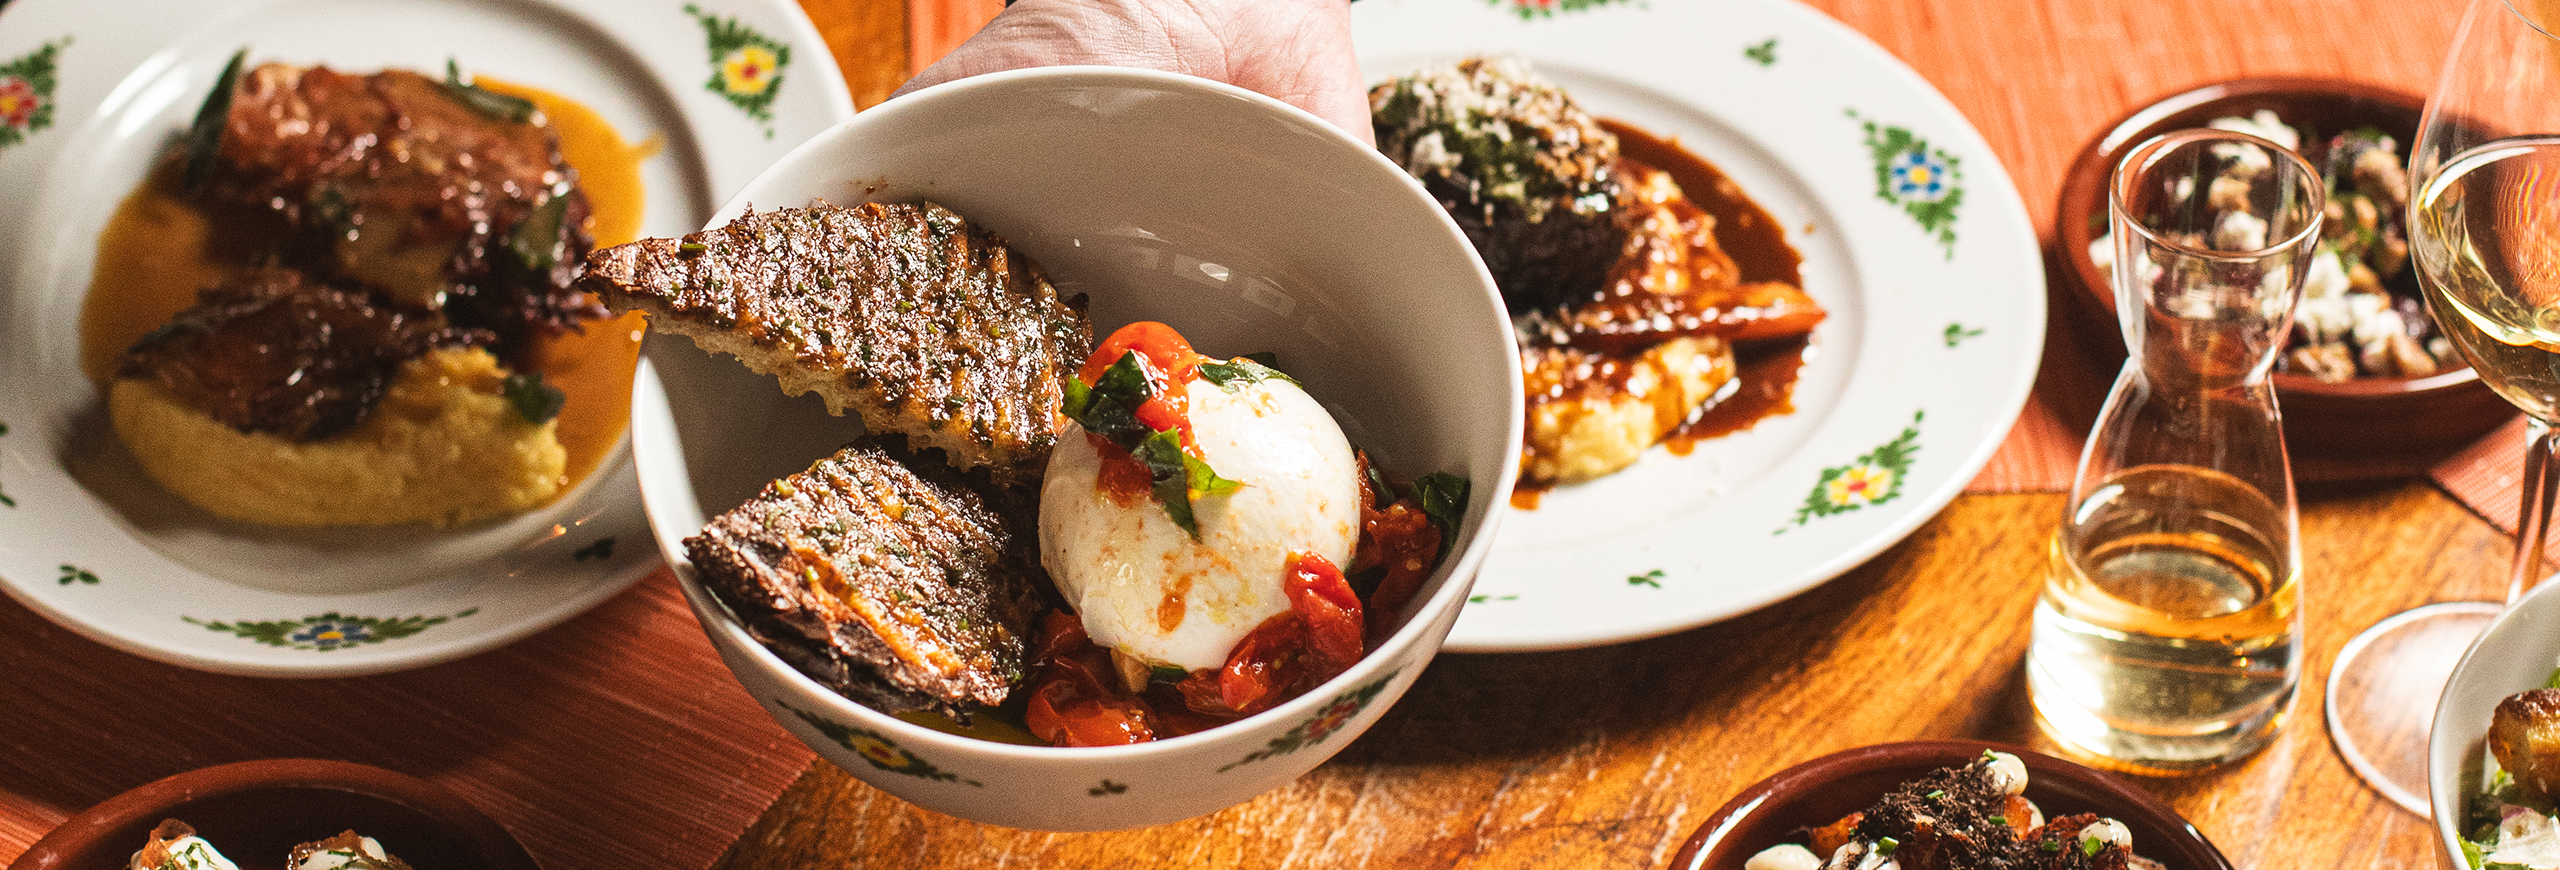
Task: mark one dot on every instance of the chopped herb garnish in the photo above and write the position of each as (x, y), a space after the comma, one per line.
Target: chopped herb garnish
(2050, 845)
(1935, 794)
(2092, 846)
(688, 249)
(535, 401)
(2554, 682)
(1886, 846)
(204, 137)
(1109, 408)
(1244, 371)
(487, 102)
(1166, 674)
(538, 243)
(1444, 500)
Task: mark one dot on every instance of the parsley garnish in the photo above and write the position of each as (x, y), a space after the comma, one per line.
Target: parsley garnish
(2092, 846)
(1886, 846)
(534, 400)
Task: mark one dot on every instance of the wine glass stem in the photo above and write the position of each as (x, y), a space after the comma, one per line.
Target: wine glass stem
(2533, 517)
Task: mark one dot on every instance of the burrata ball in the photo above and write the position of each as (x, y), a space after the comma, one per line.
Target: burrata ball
(1149, 590)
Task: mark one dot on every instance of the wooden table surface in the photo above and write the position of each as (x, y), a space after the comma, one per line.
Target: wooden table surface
(1610, 757)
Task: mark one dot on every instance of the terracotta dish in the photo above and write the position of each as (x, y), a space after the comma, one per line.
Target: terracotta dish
(1820, 791)
(2370, 427)
(256, 811)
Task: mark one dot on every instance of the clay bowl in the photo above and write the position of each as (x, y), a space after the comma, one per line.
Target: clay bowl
(255, 812)
(1820, 791)
(2368, 427)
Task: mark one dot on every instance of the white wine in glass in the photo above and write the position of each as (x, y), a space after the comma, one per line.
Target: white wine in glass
(2484, 226)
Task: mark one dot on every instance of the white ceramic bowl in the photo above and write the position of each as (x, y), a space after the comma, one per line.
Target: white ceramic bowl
(1244, 223)
(2517, 653)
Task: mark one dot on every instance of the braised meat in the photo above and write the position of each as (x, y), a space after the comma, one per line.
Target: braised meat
(916, 320)
(898, 583)
(1527, 174)
(443, 196)
(270, 351)
(1673, 279)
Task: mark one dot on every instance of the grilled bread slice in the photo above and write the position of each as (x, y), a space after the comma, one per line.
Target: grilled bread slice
(897, 583)
(917, 321)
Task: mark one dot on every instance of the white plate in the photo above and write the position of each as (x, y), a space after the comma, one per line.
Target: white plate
(1937, 313)
(90, 543)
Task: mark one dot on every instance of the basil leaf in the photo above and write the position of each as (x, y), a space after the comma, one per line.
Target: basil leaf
(534, 400)
(1162, 454)
(204, 137)
(1236, 374)
(484, 101)
(1444, 500)
(538, 242)
(1202, 480)
(1167, 674)
(1110, 407)
(1077, 396)
(2554, 682)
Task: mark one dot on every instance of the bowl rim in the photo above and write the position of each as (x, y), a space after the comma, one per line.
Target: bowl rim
(2084, 193)
(158, 798)
(2136, 803)
(1456, 574)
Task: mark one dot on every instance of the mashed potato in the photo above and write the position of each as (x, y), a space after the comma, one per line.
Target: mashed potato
(444, 446)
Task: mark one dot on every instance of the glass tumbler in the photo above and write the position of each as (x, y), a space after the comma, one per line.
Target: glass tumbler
(2167, 635)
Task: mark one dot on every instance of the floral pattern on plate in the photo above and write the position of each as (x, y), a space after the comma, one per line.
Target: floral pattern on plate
(1327, 719)
(1875, 478)
(329, 631)
(26, 92)
(878, 749)
(746, 65)
(1922, 179)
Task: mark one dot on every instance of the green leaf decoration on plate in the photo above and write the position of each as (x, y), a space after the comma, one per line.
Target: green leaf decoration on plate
(26, 92)
(1651, 578)
(746, 65)
(1958, 332)
(599, 551)
(1108, 788)
(76, 574)
(1530, 10)
(1925, 181)
(1764, 54)
(1873, 479)
(878, 749)
(329, 631)
(1327, 720)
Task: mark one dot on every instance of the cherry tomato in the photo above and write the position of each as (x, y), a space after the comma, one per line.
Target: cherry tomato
(1075, 701)
(1401, 538)
(1170, 366)
(1329, 612)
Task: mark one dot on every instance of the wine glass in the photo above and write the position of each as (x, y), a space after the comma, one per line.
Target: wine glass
(2484, 227)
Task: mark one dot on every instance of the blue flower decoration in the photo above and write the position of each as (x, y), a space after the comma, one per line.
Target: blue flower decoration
(1919, 176)
(328, 634)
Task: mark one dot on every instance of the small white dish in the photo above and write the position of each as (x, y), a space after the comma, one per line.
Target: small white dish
(90, 543)
(2518, 652)
(1247, 225)
(1914, 240)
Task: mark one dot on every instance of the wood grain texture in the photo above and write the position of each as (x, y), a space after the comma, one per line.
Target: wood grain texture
(1612, 756)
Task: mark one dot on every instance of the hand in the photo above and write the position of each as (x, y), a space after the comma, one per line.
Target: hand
(1298, 51)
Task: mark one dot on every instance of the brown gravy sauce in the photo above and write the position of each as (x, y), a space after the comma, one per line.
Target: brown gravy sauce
(1765, 372)
(159, 248)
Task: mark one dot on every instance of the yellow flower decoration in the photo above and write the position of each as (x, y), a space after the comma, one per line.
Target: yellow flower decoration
(878, 751)
(749, 70)
(1860, 485)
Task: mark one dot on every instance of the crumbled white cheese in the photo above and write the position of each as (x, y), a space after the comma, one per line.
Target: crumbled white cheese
(1784, 856)
(2527, 839)
(336, 859)
(189, 853)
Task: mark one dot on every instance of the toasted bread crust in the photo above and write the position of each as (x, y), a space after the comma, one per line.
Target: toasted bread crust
(899, 584)
(906, 315)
